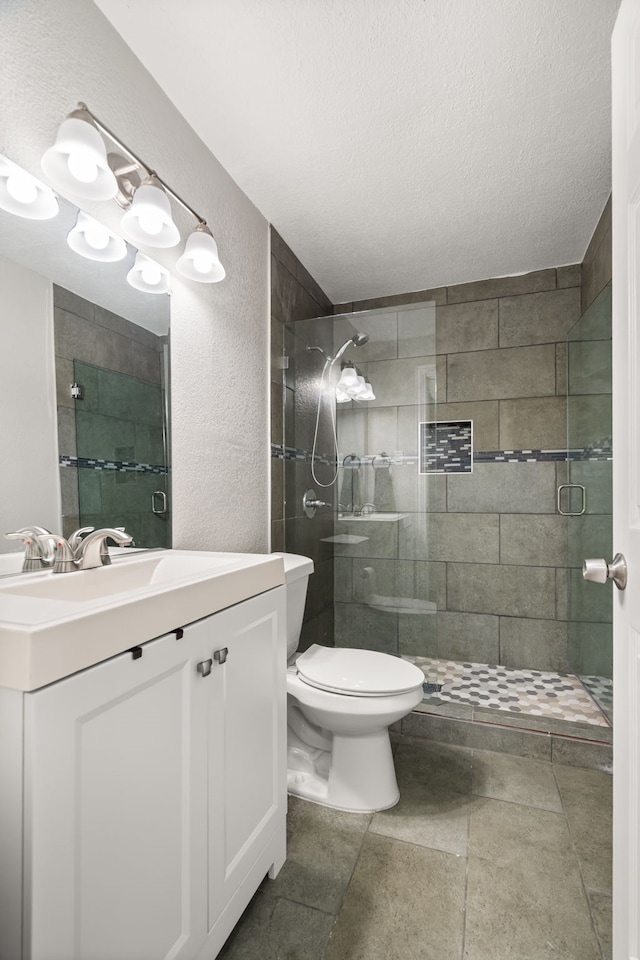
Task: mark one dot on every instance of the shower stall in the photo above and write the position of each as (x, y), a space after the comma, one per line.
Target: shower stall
(446, 531)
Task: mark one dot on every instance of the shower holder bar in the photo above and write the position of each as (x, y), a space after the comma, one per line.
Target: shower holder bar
(571, 486)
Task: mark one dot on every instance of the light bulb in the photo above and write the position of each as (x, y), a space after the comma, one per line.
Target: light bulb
(148, 276)
(82, 166)
(202, 263)
(97, 236)
(90, 239)
(348, 377)
(23, 195)
(22, 187)
(151, 222)
(151, 273)
(148, 220)
(200, 260)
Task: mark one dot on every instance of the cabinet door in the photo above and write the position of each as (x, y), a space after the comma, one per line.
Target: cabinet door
(247, 742)
(115, 788)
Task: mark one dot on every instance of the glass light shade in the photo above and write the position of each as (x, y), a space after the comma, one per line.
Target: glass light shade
(341, 396)
(348, 378)
(367, 393)
(148, 221)
(356, 390)
(23, 195)
(200, 260)
(92, 240)
(148, 276)
(77, 162)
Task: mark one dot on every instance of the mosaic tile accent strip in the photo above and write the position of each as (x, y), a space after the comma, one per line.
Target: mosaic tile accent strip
(281, 452)
(116, 466)
(445, 446)
(533, 692)
(592, 452)
(543, 456)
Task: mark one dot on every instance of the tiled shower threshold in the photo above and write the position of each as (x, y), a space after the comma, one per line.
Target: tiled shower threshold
(534, 697)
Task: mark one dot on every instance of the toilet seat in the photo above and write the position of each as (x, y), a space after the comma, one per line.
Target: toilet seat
(357, 673)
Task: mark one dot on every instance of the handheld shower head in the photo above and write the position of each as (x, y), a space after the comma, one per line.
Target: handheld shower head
(358, 340)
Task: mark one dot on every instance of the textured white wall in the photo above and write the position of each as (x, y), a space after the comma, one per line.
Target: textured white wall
(29, 479)
(55, 54)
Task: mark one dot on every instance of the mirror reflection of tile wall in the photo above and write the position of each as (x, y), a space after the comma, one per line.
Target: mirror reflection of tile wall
(112, 441)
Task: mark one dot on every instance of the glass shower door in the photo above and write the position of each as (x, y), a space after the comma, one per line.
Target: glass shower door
(123, 466)
(589, 498)
(388, 583)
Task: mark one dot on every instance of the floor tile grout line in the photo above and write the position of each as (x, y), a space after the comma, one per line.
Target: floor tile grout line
(468, 859)
(579, 864)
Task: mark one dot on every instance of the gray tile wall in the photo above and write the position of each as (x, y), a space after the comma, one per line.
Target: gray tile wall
(296, 299)
(492, 552)
(492, 555)
(596, 266)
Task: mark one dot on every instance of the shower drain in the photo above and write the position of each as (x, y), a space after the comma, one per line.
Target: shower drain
(429, 687)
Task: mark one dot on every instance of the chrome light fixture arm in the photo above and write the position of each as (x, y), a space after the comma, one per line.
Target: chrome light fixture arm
(137, 164)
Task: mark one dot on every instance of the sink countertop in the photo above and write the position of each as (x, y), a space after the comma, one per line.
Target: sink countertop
(51, 626)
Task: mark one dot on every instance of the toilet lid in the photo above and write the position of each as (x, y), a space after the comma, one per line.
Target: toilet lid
(363, 673)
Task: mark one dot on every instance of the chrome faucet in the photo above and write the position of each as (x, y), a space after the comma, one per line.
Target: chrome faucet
(38, 552)
(78, 554)
(92, 551)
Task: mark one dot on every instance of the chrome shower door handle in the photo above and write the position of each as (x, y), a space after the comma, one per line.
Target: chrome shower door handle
(163, 501)
(571, 513)
(599, 571)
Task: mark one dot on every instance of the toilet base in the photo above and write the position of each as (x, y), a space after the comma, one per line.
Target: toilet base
(356, 775)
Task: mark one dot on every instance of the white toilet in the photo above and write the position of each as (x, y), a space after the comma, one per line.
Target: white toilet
(340, 704)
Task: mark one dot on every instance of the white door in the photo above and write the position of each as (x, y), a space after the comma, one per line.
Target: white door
(115, 787)
(626, 476)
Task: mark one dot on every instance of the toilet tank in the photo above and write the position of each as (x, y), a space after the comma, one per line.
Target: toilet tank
(296, 574)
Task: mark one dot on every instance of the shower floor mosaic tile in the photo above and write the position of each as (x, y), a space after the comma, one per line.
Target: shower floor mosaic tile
(601, 689)
(533, 692)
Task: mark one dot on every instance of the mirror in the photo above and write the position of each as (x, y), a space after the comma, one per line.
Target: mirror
(84, 391)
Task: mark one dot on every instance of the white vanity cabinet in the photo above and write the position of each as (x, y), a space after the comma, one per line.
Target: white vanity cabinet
(153, 794)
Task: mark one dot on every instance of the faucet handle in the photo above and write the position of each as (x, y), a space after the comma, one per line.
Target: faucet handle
(64, 559)
(33, 559)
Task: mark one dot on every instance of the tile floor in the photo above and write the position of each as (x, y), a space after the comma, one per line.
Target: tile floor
(532, 692)
(487, 856)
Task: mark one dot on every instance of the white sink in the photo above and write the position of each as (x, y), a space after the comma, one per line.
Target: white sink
(11, 563)
(52, 625)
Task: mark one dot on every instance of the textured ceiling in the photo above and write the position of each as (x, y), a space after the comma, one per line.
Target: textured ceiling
(397, 145)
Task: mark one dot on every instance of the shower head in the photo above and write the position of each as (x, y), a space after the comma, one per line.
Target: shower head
(358, 340)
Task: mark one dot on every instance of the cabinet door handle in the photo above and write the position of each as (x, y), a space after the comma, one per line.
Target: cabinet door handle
(204, 667)
(221, 655)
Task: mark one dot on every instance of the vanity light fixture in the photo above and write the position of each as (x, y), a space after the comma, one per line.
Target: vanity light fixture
(352, 385)
(367, 393)
(23, 195)
(148, 276)
(148, 220)
(79, 162)
(348, 378)
(200, 260)
(92, 240)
